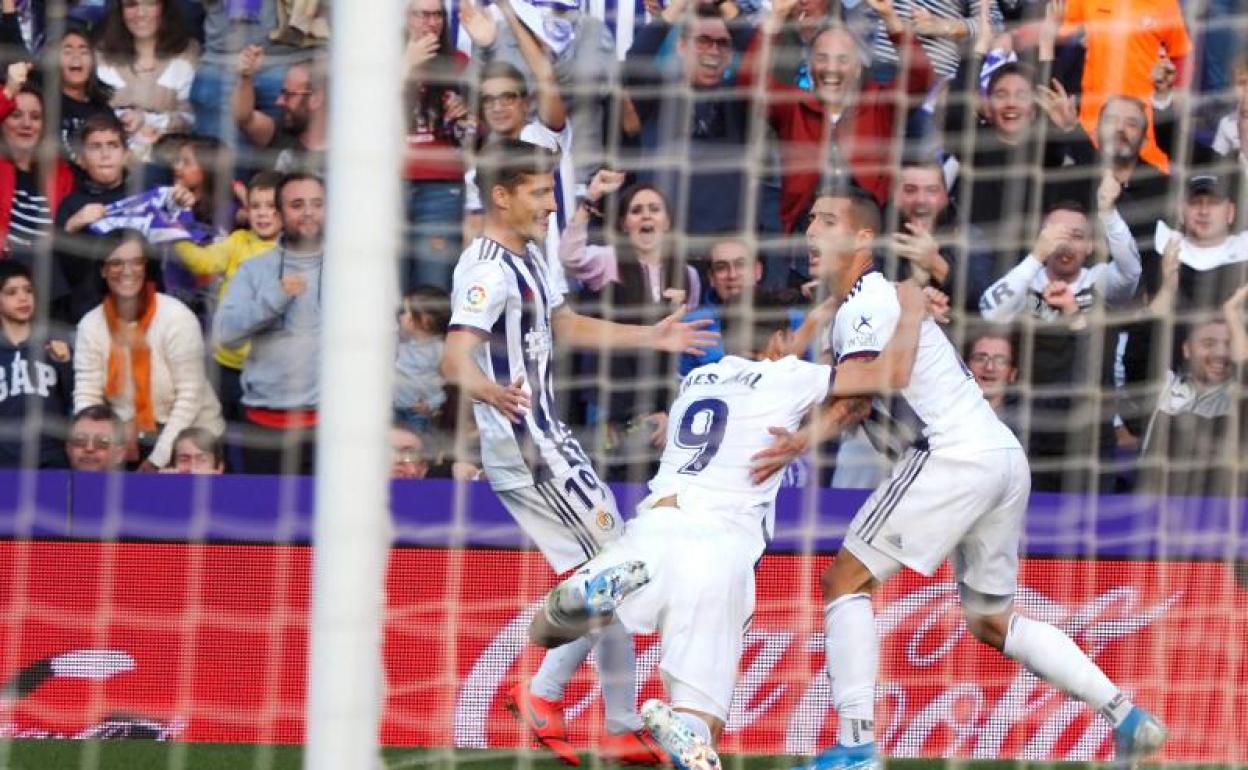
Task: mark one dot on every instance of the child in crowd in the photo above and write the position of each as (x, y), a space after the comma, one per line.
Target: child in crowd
(222, 259)
(419, 389)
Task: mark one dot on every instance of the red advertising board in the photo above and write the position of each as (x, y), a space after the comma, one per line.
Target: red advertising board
(209, 643)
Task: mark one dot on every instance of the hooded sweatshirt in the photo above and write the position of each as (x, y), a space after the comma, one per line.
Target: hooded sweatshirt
(285, 332)
(33, 387)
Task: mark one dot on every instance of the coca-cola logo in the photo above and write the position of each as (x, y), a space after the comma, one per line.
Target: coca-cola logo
(923, 705)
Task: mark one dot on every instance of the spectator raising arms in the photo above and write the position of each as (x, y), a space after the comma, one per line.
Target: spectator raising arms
(29, 192)
(142, 353)
(147, 56)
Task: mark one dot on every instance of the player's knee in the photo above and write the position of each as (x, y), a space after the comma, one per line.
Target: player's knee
(989, 629)
(844, 576)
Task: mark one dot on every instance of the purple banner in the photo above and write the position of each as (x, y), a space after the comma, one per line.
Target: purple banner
(435, 513)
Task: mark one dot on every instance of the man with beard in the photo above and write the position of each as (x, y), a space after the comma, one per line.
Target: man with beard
(274, 302)
(1189, 447)
(299, 138)
(1054, 286)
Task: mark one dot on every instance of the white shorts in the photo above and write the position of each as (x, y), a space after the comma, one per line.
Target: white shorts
(569, 517)
(700, 598)
(934, 506)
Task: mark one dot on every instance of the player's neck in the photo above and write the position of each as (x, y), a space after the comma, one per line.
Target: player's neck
(861, 266)
(505, 236)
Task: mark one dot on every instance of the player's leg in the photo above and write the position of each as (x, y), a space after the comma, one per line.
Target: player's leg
(986, 566)
(565, 543)
(585, 601)
(852, 650)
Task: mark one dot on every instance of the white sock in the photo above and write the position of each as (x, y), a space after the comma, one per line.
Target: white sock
(558, 666)
(1054, 657)
(700, 728)
(617, 671)
(853, 658)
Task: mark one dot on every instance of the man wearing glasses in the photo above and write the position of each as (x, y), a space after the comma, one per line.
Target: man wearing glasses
(693, 114)
(297, 139)
(96, 440)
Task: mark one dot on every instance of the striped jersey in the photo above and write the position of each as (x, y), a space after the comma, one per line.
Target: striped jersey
(507, 299)
(942, 409)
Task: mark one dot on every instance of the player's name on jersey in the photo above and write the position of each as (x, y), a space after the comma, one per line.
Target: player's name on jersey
(747, 378)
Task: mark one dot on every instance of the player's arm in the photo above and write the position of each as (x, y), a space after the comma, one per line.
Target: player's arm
(891, 369)
(671, 334)
(458, 367)
(827, 423)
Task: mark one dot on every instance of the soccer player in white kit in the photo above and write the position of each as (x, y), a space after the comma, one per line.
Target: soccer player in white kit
(507, 313)
(958, 489)
(686, 562)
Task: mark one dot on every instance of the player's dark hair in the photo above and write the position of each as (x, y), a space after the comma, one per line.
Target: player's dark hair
(863, 204)
(747, 329)
(508, 163)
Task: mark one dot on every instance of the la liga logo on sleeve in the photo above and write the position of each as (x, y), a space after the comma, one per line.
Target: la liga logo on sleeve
(475, 298)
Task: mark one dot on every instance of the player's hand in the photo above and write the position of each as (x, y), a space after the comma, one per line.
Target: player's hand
(512, 401)
(675, 336)
(1058, 105)
(938, 305)
(1061, 295)
(16, 76)
(658, 437)
(250, 60)
(1108, 191)
(787, 447)
(478, 23)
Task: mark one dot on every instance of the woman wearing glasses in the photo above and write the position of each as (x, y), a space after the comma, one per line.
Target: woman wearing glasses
(142, 353)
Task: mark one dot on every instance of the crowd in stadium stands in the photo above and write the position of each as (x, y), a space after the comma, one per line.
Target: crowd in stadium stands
(1066, 173)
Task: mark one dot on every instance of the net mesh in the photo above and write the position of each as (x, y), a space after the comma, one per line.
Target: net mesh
(176, 607)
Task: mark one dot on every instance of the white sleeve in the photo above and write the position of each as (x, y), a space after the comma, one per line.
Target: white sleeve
(478, 296)
(1226, 141)
(1118, 279)
(1005, 299)
(865, 324)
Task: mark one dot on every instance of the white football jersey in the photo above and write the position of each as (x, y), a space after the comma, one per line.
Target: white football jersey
(507, 299)
(720, 420)
(942, 409)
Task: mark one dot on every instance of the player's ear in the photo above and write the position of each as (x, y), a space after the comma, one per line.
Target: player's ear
(865, 238)
(501, 197)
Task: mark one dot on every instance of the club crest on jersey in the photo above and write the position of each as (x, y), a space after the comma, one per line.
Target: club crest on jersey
(604, 520)
(475, 298)
(537, 343)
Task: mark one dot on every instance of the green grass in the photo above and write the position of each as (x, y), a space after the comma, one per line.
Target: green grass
(149, 755)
